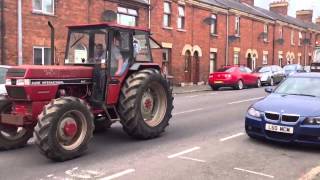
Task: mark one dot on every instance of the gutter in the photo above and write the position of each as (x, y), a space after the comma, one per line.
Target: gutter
(2, 58)
(20, 53)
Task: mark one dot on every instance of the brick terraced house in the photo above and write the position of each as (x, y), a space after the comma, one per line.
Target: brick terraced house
(199, 36)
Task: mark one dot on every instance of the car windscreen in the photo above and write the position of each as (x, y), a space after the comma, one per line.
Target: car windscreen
(226, 69)
(304, 86)
(290, 68)
(263, 69)
(3, 73)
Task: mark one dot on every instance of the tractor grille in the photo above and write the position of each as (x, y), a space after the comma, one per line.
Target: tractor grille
(16, 72)
(17, 92)
(272, 116)
(290, 118)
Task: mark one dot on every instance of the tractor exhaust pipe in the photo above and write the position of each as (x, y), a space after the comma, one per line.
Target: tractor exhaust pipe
(52, 42)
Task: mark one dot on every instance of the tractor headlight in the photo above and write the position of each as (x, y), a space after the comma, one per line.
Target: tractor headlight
(23, 82)
(312, 121)
(253, 112)
(8, 82)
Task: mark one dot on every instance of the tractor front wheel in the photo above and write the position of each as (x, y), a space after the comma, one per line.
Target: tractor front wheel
(64, 129)
(12, 137)
(145, 104)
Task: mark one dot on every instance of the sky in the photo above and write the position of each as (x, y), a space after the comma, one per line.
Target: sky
(295, 5)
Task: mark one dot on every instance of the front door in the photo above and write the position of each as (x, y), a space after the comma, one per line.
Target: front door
(196, 71)
(187, 67)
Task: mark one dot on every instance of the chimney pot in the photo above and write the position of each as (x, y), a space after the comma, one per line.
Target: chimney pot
(305, 15)
(279, 7)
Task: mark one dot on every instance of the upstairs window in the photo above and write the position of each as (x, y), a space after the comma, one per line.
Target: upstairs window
(281, 32)
(236, 58)
(237, 26)
(300, 38)
(266, 31)
(181, 17)
(127, 17)
(213, 27)
(292, 37)
(167, 14)
(43, 6)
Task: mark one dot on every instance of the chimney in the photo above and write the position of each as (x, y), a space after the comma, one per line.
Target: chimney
(305, 15)
(318, 21)
(250, 2)
(280, 7)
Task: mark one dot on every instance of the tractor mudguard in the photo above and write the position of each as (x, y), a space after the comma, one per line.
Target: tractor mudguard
(140, 66)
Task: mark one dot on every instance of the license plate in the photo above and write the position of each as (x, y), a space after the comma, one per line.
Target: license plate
(281, 129)
(12, 119)
(218, 82)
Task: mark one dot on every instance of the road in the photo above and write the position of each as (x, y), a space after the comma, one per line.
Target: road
(205, 140)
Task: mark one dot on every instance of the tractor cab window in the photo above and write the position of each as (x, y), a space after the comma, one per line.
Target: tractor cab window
(120, 52)
(141, 50)
(87, 47)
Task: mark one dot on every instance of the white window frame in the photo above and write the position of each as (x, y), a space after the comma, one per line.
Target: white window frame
(183, 17)
(292, 37)
(213, 27)
(281, 32)
(265, 59)
(300, 38)
(237, 26)
(42, 11)
(236, 54)
(169, 14)
(125, 11)
(266, 31)
(42, 51)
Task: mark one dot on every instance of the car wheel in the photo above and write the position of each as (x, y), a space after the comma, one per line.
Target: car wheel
(258, 83)
(271, 82)
(215, 88)
(240, 85)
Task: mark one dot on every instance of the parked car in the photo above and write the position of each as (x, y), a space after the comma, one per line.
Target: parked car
(270, 75)
(291, 113)
(292, 69)
(235, 77)
(3, 73)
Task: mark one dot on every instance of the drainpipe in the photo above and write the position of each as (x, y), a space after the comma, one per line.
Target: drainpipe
(20, 32)
(273, 42)
(227, 38)
(52, 42)
(149, 15)
(2, 33)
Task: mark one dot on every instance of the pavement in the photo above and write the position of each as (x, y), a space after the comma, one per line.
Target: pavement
(190, 89)
(205, 140)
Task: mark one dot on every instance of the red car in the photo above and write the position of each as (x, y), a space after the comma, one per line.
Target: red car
(236, 77)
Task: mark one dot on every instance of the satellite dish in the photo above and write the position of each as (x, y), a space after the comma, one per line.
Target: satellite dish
(109, 16)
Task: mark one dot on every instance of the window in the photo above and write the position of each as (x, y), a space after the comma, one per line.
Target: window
(265, 59)
(43, 6)
(41, 56)
(236, 58)
(167, 14)
(213, 62)
(181, 17)
(213, 27)
(237, 26)
(127, 17)
(166, 63)
(281, 32)
(265, 30)
(292, 37)
(299, 59)
(142, 51)
(300, 38)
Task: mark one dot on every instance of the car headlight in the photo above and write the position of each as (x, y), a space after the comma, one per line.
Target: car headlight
(253, 112)
(312, 121)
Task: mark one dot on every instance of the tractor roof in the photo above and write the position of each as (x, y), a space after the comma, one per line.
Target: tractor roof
(104, 25)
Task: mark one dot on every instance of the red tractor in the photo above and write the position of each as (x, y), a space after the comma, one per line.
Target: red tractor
(108, 76)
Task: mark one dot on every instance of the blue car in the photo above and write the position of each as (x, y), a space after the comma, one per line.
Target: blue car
(291, 113)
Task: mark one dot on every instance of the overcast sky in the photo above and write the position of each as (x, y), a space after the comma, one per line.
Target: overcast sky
(295, 5)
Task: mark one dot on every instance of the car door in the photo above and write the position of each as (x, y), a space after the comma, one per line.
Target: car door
(275, 74)
(252, 78)
(281, 73)
(244, 75)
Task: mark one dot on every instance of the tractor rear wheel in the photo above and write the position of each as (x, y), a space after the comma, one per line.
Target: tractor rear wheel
(12, 137)
(145, 105)
(64, 129)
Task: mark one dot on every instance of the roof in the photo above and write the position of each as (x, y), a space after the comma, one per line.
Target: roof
(142, 1)
(214, 3)
(103, 25)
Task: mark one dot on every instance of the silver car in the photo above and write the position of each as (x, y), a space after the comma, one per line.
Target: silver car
(270, 75)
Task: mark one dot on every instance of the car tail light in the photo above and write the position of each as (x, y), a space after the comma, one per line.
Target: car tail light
(227, 75)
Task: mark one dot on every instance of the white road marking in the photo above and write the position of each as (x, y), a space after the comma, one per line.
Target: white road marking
(253, 172)
(192, 96)
(230, 137)
(184, 152)
(50, 175)
(246, 100)
(192, 159)
(189, 111)
(117, 175)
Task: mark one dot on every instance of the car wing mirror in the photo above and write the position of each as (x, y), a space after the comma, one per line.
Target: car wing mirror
(268, 89)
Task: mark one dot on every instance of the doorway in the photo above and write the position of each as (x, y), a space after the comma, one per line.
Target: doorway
(187, 67)
(213, 62)
(196, 72)
(249, 61)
